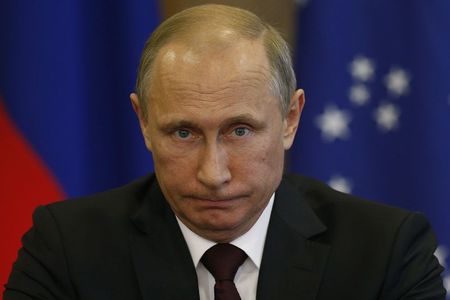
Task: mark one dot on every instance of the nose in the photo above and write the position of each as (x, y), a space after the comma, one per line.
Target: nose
(213, 169)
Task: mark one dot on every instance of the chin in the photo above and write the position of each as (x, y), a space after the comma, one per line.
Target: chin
(225, 227)
(219, 223)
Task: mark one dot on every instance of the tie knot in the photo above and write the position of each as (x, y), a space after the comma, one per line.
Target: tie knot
(223, 261)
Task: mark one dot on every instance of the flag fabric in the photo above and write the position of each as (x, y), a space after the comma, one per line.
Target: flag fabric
(67, 127)
(377, 117)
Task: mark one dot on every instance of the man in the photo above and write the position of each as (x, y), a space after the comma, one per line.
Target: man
(217, 105)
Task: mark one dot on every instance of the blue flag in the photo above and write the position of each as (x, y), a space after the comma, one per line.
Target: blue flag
(377, 117)
(67, 126)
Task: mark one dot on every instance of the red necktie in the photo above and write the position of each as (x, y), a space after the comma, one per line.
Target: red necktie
(223, 261)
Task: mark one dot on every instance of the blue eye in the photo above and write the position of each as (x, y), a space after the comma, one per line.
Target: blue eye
(182, 133)
(241, 131)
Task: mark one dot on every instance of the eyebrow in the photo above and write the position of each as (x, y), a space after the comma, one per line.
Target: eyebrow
(243, 118)
(172, 125)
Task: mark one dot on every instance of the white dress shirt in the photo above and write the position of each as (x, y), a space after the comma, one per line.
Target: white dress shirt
(252, 242)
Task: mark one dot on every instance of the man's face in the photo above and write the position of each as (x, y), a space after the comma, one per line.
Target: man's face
(217, 135)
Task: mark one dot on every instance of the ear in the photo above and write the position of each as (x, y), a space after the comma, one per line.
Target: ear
(292, 118)
(143, 122)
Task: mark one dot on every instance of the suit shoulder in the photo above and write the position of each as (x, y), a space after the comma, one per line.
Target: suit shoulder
(388, 247)
(114, 202)
(329, 203)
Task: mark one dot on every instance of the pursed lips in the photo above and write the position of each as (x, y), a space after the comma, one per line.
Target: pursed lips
(215, 201)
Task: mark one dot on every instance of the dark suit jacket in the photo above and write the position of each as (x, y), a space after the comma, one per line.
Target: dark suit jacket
(321, 244)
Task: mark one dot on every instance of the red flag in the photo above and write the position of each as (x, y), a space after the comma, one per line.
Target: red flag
(25, 182)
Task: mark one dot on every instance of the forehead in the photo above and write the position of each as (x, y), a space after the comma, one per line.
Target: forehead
(211, 65)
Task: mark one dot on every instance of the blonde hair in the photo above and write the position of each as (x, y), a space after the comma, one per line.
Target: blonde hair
(242, 23)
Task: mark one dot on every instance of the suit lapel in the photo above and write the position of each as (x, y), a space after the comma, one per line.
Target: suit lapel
(292, 264)
(161, 259)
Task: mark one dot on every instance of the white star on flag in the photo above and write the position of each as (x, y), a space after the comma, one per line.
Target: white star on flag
(359, 94)
(441, 254)
(340, 184)
(447, 283)
(362, 68)
(386, 116)
(334, 123)
(397, 82)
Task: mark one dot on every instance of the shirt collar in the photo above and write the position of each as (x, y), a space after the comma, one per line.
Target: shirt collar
(252, 242)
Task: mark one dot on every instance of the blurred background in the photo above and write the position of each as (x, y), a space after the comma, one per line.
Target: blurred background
(376, 121)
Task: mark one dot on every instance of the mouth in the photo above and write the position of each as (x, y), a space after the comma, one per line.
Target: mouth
(215, 202)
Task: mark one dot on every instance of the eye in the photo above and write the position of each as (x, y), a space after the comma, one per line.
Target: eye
(241, 131)
(182, 134)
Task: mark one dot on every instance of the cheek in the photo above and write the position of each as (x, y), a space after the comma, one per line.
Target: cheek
(166, 152)
(263, 156)
(171, 164)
